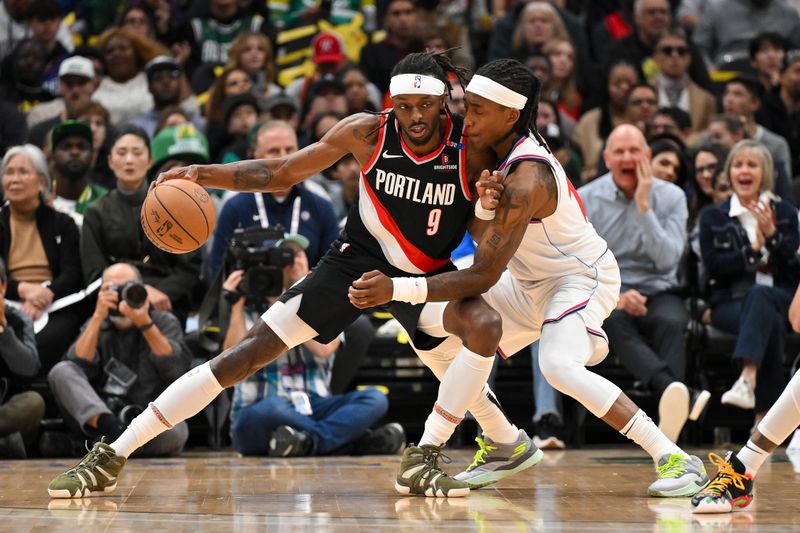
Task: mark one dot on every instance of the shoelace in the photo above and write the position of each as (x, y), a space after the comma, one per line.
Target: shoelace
(480, 455)
(431, 455)
(726, 476)
(673, 467)
(91, 459)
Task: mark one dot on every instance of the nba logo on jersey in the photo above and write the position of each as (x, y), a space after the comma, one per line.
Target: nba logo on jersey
(445, 159)
(417, 81)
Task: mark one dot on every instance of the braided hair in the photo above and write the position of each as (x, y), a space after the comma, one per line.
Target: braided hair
(515, 76)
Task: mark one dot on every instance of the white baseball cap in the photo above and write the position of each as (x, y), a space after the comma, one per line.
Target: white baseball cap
(76, 66)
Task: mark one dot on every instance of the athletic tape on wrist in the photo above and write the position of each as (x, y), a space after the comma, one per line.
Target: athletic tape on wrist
(410, 290)
(483, 214)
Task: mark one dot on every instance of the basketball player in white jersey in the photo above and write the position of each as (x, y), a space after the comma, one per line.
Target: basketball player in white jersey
(732, 487)
(561, 283)
(415, 201)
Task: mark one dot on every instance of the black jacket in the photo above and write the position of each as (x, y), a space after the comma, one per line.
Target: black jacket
(729, 258)
(61, 242)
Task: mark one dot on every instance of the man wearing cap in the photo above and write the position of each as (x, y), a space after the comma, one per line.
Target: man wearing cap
(76, 83)
(283, 107)
(71, 156)
(176, 147)
(329, 59)
(781, 110)
(288, 408)
(164, 76)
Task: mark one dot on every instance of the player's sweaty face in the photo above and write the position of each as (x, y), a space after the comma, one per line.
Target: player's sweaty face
(418, 115)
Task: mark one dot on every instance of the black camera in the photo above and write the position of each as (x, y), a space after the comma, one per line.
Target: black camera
(132, 292)
(255, 250)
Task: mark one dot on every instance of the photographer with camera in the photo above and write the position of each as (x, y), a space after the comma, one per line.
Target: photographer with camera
(286, 408)
(126, 354)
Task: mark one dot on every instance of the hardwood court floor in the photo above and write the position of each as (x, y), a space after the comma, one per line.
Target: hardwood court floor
(584, 490)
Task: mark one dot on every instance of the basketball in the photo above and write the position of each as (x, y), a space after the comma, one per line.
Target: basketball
(178, 216)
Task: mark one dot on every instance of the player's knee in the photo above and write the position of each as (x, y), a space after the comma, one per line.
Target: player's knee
(556, 370)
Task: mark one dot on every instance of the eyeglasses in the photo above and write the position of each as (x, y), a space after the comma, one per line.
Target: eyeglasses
(642, 101)
(669, 50)
(655, 11)
(707, 168)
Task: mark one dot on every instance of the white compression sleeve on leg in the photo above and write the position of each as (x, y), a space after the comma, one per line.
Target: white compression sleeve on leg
(459, 389)
(564, 350)
(186, 397)
(485, 409)
(784, 416)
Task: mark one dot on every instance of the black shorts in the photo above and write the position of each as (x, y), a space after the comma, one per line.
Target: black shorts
(326, 307)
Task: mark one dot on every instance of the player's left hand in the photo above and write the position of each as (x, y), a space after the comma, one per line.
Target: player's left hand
(490, 188)
(371, 289)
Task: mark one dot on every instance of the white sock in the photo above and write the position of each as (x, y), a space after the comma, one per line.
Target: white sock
(641, 430)
(784, 416)
(460, 387)
(752, 457)
(493, 421)
(183, 399)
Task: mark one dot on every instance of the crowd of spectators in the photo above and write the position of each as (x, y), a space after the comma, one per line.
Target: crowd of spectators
(678, 121)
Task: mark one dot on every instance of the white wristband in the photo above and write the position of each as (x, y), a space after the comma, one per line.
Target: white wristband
(483, 214)
(411, 290)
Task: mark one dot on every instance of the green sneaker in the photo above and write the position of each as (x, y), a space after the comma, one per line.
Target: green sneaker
(95, 474)
(420, 474)
(678, 475)
(494, 461)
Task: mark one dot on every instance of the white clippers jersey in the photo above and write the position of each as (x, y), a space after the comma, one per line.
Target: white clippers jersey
(562, 244)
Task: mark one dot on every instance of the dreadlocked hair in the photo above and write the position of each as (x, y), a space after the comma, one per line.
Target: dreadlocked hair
(513, 75)
(434, 64)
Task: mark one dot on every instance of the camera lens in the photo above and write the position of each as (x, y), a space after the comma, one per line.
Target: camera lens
(135, 294)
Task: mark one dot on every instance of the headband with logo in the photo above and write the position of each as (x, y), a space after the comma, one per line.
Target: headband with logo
(415, 84)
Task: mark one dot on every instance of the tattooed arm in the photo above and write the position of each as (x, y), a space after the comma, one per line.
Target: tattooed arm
(355, 134)
(530, 192)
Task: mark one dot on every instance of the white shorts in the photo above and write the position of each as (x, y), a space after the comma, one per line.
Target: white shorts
(527, 306)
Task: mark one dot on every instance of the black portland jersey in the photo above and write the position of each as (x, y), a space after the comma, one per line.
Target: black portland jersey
(412, 210)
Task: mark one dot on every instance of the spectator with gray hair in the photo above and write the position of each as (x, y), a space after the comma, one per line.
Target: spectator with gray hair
(749, 245)
(41, 249)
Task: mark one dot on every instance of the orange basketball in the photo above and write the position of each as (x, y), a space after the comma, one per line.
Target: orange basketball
(178, 216)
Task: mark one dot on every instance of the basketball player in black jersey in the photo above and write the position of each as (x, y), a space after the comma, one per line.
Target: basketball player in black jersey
(415, 202)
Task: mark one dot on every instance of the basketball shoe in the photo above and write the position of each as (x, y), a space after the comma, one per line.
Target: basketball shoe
(420, 474)
(494, 461)
(731, 488)
(95, 474)
(678, 475)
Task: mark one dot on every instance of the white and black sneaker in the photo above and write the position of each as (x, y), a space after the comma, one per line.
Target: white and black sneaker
(286, 441)
(389, 439)
(549, 433)
(698, 401)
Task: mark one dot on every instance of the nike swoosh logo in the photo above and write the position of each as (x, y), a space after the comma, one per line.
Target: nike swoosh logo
(387, 155)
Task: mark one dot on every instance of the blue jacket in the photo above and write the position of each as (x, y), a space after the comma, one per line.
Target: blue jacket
(317, 222)
(729, 258)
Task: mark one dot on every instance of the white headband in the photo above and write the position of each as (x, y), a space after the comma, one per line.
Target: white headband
(415, 84)
(495, 92)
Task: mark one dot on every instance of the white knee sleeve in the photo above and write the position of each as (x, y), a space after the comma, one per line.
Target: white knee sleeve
(564, 350)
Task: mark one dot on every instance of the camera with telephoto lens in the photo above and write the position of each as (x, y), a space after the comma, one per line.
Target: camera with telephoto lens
(132, 292)
(256, 251)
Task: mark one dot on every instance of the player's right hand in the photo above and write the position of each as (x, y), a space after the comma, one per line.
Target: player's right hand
(178, 173)
(490, 189)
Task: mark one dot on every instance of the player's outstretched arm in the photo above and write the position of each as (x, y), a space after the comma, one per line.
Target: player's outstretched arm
(353, 134)
(530, 192)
